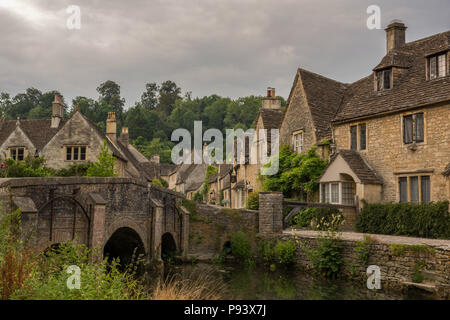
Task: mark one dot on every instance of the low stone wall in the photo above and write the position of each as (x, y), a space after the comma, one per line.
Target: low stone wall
(211, 227)
(395, 256)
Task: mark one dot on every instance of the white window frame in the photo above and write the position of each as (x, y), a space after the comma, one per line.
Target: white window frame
(72, 152)
(16, 149)
(298, 141)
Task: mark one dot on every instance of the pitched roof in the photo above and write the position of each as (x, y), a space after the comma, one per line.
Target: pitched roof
(411, 89)
(323, 95)
(39, 131)
(271, 118)
(359, 166)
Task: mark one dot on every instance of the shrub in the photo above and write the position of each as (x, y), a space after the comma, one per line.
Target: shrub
(157, 182)
(253, 201)
(266, 251)
(29, 167)
(362, 248)
(104, 167)
(285, 251)
(418, 220)
(197, 197)
(304, 217)
(322, 218)
(241, 247)
(326, 258)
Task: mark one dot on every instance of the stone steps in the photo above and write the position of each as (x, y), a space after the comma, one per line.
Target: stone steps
(431, 275)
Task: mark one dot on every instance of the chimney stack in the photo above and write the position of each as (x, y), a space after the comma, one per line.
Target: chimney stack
(270, 101)
(111, 126)
(155, 158)
(395, 35)
(57, 111)
(124, 136)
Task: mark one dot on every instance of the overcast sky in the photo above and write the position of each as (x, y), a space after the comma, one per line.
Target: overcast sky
(228, 47)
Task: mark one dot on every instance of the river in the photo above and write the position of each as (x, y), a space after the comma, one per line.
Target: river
(259, 283)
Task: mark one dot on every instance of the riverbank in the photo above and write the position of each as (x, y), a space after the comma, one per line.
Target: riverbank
(405, 262)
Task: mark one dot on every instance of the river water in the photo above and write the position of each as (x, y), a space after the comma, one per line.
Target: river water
(259, 283)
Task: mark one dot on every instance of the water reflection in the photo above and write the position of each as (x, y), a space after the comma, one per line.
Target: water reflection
(259, 283)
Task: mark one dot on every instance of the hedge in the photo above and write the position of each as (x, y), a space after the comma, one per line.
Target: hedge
(417, 220)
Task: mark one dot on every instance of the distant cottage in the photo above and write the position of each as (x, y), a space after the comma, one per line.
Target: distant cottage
(76, 140)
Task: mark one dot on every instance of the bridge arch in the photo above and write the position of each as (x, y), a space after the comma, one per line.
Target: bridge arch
(124, 237)
(168, 245)
(123, 244)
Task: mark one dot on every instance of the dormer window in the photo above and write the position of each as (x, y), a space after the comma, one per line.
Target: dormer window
(384, 79)
(437, 66)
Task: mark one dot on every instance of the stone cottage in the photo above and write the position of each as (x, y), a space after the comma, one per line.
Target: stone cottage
(391, 131)
(65, 142)
(244, 178)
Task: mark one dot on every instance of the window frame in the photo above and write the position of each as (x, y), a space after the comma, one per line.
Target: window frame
(16, 153)
(421, 197)
(381, 84)
(414, 128)
(357, 126)
(298, 143)
(78, 153)
(437, 65)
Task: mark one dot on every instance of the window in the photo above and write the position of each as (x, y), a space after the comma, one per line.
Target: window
(437, 66)
(362, 136)
(17, 154)
(353, 138)
(414, 189)
(298, 142)
(355, 141)
(325, 193)
(384, 79)
(403, 187)
(335, 193)
(76, 153)
(348, 193)
(413, 128)
(425, 189)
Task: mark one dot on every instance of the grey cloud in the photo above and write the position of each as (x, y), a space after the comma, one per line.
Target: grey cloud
(228, 47)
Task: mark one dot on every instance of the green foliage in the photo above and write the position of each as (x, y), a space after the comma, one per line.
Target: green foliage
(285, 251)
(297, 172)
(418, 277)
(418, 220)
(253, 201)
(27, 274)
(160, 182)
(362, 248)
(99, 280)
(74, 170)
(326, 259)
(266, 251)
(104, 167)
(29, 167)
(210, 171)
(398, 249)
(241, 247)
(197, 197)
(157, 182)
(322, 218)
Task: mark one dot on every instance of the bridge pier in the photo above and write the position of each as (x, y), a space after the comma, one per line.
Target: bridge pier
(97, 228)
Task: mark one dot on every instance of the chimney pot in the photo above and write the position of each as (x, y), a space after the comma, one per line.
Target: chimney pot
(395, 35)
(271, 102)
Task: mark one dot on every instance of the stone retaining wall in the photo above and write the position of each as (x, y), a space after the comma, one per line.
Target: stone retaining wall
(396, 269)
(211, 227)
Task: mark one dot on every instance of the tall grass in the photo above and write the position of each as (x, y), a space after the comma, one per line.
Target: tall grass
(195, 285)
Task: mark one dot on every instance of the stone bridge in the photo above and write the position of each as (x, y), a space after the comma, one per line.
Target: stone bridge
(116, 215)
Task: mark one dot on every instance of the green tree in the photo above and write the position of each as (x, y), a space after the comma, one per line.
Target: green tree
(169, 92)
(104, 167)
(149, 98)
